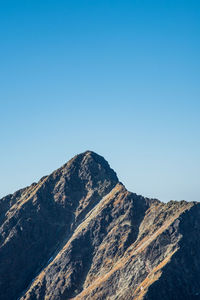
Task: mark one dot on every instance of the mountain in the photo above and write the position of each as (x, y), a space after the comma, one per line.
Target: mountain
(79, 234)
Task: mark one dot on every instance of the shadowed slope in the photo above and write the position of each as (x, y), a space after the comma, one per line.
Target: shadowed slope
(37, 219)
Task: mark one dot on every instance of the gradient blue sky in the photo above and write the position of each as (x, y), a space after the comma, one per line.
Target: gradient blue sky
(120, 78)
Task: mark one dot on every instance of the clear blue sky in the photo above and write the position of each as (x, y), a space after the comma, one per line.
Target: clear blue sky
(120, 78)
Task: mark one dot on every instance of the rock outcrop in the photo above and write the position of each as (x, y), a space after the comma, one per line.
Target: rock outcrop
(79, 234)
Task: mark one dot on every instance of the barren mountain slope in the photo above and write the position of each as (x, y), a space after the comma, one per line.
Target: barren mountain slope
(79, 234)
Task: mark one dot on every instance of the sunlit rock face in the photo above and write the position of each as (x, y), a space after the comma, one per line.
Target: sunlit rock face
(79, 234)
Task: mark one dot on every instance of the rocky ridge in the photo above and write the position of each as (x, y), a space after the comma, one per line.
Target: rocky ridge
(79, 234)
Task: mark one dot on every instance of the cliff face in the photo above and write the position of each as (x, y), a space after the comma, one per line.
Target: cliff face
(79, 234)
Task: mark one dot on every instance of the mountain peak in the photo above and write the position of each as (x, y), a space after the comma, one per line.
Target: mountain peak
(91, 168)
(87, 156)
(79, 234)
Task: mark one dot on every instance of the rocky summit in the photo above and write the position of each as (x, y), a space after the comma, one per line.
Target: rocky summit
(79, 234)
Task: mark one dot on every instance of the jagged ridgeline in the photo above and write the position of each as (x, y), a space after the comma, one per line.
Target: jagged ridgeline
(79, 234)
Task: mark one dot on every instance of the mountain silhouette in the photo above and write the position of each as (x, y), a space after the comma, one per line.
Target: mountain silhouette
(79, 234)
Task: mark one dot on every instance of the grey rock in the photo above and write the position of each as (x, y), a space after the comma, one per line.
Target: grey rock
(79, 234)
